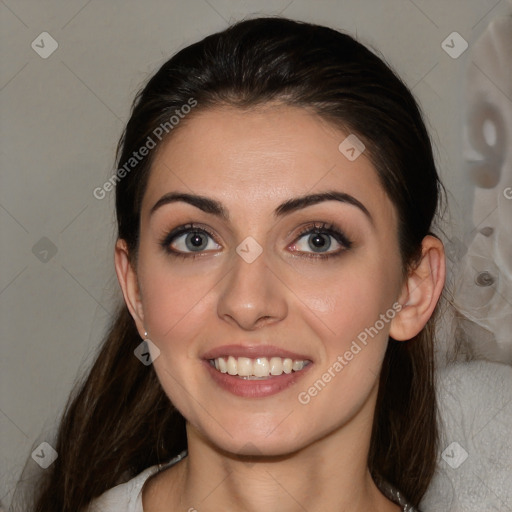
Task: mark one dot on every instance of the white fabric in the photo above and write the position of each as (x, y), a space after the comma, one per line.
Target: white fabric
(126, 497)
(475, 403)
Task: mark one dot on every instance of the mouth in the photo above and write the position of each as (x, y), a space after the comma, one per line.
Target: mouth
(256, 371)
(259, 368)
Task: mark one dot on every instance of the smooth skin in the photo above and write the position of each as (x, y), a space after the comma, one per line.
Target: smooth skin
(305, 457)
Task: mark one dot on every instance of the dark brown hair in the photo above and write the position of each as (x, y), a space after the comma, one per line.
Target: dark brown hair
(119, 421)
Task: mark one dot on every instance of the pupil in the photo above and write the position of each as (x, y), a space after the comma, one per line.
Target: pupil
(196, 240)
(318, 241)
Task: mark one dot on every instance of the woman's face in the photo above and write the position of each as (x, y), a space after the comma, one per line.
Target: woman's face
(250, 286)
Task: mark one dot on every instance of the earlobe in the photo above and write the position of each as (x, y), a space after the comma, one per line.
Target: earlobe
(421, 291)
(127, 278)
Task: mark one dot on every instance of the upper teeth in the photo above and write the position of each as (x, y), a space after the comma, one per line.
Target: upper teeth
(259, 367)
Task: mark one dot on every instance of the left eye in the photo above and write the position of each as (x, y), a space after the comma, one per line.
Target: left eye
(319, 240)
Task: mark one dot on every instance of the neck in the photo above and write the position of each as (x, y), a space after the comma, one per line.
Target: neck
(311, 480)
(329, 474)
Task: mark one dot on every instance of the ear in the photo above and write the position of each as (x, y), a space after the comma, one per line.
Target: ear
(127, 278)
(421, 291)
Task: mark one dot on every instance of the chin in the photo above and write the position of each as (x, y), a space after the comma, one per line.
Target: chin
(280, 442)
(254, 448)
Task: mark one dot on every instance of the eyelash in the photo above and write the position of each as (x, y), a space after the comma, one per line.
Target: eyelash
(326, 229)
(314, 228)
(181, 230)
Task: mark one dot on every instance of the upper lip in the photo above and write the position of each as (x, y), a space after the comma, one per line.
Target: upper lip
(252, 352)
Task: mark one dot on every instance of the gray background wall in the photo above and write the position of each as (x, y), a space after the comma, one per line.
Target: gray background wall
(61, 119)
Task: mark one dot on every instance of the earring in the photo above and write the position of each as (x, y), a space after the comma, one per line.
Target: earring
(151, 351)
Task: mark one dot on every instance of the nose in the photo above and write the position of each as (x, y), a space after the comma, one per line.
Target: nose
(252, 294)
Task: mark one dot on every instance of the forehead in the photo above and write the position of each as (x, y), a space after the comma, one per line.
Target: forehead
(255, 159)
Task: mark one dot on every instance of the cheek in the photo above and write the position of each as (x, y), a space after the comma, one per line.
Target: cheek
(176, 308)
(353, 308)
(174, 299)
(349, 298)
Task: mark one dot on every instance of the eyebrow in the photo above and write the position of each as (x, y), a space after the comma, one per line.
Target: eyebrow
(214, 207)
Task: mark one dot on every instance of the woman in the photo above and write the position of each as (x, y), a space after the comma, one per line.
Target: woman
(275, 195)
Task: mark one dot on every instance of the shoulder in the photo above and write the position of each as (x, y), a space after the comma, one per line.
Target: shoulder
(124, 496)
(127, 496)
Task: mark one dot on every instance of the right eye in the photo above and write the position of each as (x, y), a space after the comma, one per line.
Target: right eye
(189, 241)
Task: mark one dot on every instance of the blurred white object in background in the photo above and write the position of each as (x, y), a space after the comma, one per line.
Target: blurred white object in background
(483, 282)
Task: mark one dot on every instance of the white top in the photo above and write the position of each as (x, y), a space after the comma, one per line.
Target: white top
(128, 496)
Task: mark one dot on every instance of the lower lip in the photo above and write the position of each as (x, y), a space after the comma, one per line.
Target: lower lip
(255, 388)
